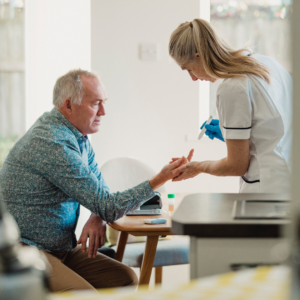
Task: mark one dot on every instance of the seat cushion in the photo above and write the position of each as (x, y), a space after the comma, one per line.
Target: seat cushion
(108, 252)
(168, 253)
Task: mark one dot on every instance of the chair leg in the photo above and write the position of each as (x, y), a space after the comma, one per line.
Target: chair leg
(158, 275)
(121, 245)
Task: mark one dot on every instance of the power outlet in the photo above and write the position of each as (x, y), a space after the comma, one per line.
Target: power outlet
(149, 52)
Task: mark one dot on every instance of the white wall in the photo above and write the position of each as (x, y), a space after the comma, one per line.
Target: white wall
(57, 39)
(152, 105)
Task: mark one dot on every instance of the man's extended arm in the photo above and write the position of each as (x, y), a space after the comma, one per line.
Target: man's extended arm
(61, 163)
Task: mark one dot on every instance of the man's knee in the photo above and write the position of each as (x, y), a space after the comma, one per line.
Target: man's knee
(129, 277)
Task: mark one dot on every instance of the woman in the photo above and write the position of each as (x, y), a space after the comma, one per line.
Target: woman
(253, 103)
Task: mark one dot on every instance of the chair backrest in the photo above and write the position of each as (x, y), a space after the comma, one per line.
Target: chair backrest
(122, 173)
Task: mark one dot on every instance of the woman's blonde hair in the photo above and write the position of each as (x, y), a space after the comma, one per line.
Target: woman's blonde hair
(219, 59)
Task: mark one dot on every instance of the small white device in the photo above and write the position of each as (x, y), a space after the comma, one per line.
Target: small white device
(155, 221)
(203, 130)
(145, 212)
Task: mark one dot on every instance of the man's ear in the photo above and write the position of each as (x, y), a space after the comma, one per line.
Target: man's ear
(68, 106)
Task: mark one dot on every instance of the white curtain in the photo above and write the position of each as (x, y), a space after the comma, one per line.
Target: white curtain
(266, 35)
(12, 77)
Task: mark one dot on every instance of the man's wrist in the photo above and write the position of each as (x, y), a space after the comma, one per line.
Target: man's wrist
(96, 217)
(93, 215)
(156, 182)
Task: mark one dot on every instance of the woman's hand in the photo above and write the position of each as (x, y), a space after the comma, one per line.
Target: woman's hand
(188, 170)
(213, 130)
(168, 172)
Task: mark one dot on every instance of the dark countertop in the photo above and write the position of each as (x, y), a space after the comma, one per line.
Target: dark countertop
(211, 216)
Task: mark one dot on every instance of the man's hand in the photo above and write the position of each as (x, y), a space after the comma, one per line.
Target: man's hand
(94, 229)
(184, 161)
(168, 172)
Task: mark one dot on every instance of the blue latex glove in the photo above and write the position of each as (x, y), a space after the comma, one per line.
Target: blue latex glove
(213, 130)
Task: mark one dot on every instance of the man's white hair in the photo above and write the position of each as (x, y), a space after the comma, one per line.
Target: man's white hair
(70, 86)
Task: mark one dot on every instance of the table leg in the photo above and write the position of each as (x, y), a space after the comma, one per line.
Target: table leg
(148, 259)
(121, 245)
(158, 275)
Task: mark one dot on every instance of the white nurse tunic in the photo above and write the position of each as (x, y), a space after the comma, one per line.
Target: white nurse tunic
(250, 108)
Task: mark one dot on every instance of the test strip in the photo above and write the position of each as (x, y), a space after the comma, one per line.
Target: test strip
(203, 130)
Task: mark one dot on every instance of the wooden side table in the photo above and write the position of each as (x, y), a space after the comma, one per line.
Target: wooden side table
(135, 225)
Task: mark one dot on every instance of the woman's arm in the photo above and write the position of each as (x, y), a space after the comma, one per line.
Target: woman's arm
(235, 164)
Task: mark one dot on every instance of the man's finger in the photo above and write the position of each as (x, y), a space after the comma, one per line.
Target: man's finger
(83, 239)
(184, 160)
(91, 245)
(83, 246)
(97, 245)
(176, 163)
(103, 236)
(175, 158)
(102, 240)
(190, 156)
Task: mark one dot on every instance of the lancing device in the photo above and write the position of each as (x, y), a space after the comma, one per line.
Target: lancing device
(155, 221)
(203, 130)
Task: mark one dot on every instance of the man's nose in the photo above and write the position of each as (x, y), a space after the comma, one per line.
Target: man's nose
(194, 78)
(101, 110)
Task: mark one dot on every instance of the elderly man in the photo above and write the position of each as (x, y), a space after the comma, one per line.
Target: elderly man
(52, 170)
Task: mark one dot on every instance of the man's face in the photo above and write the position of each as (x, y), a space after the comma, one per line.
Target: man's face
(86, 117)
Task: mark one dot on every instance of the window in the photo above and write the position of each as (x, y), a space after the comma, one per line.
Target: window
(265, 24)
(12, 79)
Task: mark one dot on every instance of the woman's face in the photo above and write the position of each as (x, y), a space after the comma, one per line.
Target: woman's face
(196, 70)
